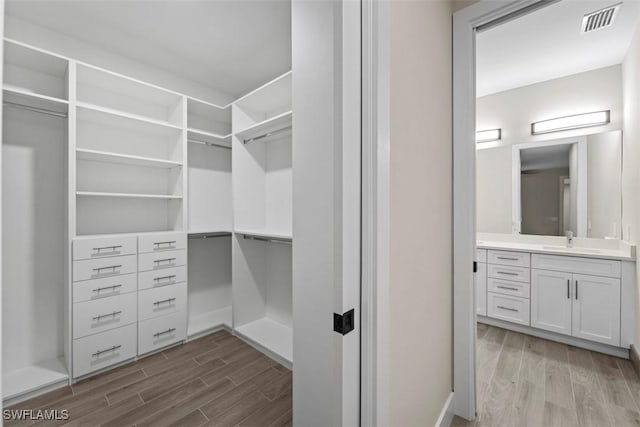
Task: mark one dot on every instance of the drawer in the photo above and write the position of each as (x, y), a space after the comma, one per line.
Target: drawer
(511, 309)
(518, 274)
(508, 287)
(160, 332)
(104, 247)
(103, 350)
(101, 288)
(518, 259)
(592, 266)
(481, 255)
(92, 317)
(163, 300)
(104, 267)
(169, 276)
(162, 242)
(162, 260)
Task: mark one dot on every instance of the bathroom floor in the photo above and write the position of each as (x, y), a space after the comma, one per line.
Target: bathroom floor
(528, 381)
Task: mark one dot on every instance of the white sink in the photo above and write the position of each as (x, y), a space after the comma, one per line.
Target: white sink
(564, 248)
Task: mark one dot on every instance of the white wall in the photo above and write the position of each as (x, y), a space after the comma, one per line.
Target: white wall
(604, 202)
(493, 184)
(421, 200)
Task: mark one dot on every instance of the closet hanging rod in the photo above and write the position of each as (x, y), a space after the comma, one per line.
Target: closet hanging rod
(267, 134)
(210, 144)
(34, 109)
(209, 235)
(268, 239)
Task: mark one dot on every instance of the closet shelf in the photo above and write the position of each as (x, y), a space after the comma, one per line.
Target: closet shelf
(122, 195)
(208, 138)
(263, 131)
(268, 235)
(206, 234)
(32, 378)
(271, 336)
(126, 115)
(210, 320)
(28, 98)
(109, 157)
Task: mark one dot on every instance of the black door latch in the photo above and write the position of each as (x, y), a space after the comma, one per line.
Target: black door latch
(344, 323)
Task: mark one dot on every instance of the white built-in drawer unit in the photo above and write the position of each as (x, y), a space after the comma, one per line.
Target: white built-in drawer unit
(153, 334)
(519, 259)
(104, 267)
(88, 290)
(509, 308)
(162, 242)
(508, 287)
(102, 350)
(162, 301)
(517, 274)
(104, 247)
(481, 255)
(91, 317)
(162, 260)
(169, 276)
(596, 267)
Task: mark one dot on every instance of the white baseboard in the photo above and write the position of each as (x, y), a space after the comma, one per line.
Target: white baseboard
(446, 415)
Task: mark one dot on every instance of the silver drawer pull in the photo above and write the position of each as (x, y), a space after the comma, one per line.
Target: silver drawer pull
(159, 334)
(164, 301)
(101, 316)
(111, 248)
(169, 244)
(507, 308)
(111, 267)
(107, 350)
(507, 258)
(113, 288)
(507, 287)
(507, 273)
(157, 262)
(168, 278)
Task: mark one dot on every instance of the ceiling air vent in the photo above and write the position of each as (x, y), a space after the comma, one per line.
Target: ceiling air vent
(600, 19)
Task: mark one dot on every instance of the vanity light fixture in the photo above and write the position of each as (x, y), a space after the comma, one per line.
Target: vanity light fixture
(488, 135)
(576, 121)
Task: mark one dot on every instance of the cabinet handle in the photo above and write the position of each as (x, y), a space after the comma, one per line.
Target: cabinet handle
(508, 308)
(113, 248)
(114, 314)
(507, 258)
(506, 273)
(170, 244)
(113, 288)
(576, 290)
(158, 279)
(568, 289)
(507, 287)
(159, 334)
(164, 301)
(111, 267)
(157, 262)
(99, 352)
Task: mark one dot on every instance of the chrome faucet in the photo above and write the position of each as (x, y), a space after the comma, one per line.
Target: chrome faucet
(569, 235)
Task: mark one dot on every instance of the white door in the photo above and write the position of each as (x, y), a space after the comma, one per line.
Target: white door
(480, 279)
(551, 294)
(596, 308)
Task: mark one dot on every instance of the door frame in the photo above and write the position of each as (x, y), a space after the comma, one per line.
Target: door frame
(466, 23)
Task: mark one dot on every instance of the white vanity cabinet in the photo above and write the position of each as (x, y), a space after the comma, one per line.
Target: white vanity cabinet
(480, 281)
(551, 301)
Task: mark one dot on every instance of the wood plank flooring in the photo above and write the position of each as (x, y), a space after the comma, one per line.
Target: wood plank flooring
(527, 381)
(217, 380)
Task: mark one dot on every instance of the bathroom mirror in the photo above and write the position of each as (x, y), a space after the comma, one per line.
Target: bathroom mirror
(551, 187)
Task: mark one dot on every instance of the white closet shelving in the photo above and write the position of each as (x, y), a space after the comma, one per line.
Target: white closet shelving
(262, 181)
(34, 193)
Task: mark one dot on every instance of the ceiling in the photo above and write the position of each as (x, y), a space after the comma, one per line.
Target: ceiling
(547, 44)
(230, 45)
(553, 156)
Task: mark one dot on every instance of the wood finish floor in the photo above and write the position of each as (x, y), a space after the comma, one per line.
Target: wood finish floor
(528, 381)
(217, 380)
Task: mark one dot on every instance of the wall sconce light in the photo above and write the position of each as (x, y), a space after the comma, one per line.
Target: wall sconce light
(571, 122)
(488, 135)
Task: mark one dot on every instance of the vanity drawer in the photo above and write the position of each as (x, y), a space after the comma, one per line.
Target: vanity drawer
(102, 350)
(163, 300)
(162, 260)
(518, 259)
(169, 276)
(101, 288)
(104, 267)
(481, 255)
(508, 287)
(511, 309)
(91, 317)
(592, 266)
(160, 332)
(162, 242)
(104, 247)
(518, 274)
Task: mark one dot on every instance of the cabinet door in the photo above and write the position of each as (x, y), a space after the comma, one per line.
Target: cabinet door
(596, 308)
(481, 289)
(551, 301)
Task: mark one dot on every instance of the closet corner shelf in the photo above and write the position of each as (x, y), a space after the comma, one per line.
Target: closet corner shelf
(210, 320)
(28, 98)
(271, 336)
(126, 115)
(261, 131)
(208, 138)
(34, 377)
(265, 235)
(108, 157)
(130, 195)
